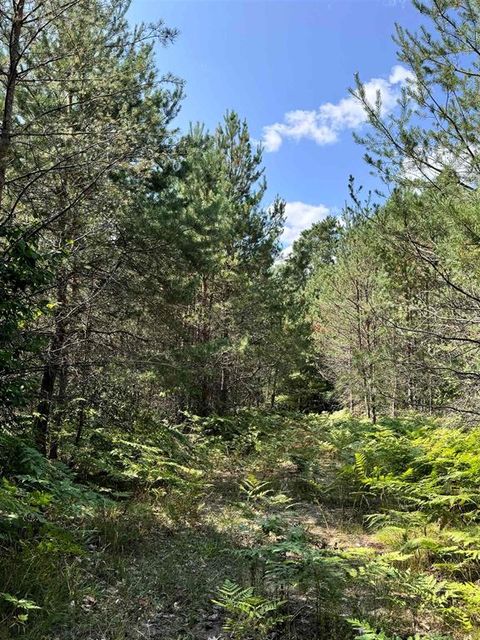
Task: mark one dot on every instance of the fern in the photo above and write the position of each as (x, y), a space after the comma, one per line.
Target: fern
(254, 489)
(248, 613)
(18, 608)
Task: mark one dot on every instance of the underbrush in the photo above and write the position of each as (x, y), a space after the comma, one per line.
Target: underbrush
(404, 493)
(69, 528)
(245, 527)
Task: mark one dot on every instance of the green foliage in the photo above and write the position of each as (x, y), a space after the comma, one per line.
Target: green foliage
(248, 615)
(27, 272)
(420, 561)
(254, 489)
(42, 507)
(19, 608)
(155, 454)
(408, 477)
(367, 632)
(141, 286)
(35, 491)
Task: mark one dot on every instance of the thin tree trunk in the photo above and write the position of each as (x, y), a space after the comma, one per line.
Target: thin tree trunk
(50, 372)
(273, 395)
(47, 387)
(10, 87)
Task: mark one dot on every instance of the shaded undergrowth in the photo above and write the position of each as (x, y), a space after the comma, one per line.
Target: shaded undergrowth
(256, 526)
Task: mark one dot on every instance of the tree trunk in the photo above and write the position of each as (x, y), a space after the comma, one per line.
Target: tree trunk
(61, 408)
(273, 395)
(50, 372)
(10, 87)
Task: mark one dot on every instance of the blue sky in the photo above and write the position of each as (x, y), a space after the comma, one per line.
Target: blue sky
(267, 59)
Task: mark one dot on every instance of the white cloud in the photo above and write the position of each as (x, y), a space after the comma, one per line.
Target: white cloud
(399, 74)
(324, 124)
(300, 216)
(427, 166)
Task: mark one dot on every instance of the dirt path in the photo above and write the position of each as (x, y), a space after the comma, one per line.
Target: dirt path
(162, 587)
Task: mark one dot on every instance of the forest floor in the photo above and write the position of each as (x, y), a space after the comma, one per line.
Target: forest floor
(254, 527)
(159, 575)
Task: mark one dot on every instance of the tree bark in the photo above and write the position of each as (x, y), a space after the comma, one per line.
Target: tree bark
(10, 87)
(50, 371)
